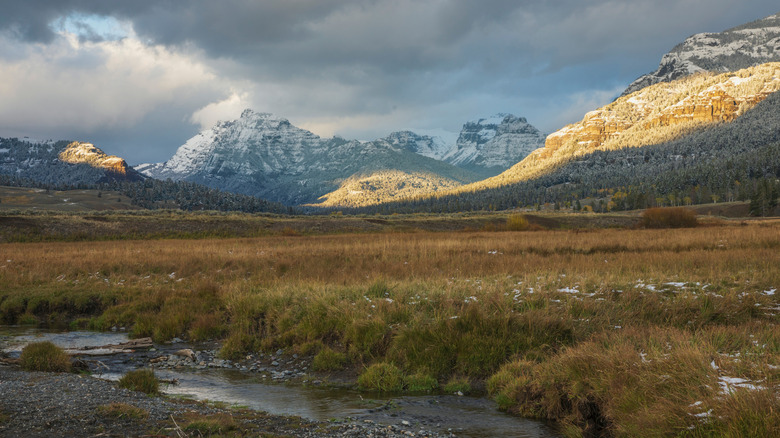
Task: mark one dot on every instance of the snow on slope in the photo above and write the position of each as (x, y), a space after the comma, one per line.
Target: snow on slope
(491, 145)
(734, 49)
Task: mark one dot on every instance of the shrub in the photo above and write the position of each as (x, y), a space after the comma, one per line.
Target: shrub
(44, 356)
(140, 380)
(382, 377)
(517, 222)
(328, 360)
(289, 232)
(670, 217)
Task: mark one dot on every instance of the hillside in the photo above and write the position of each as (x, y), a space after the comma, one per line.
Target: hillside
(362, 190)
(653, 115)
(721, 162)
(62, 163)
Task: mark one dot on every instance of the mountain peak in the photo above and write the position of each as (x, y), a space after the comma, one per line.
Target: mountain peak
(490, 145)
(86, 153)
(425, 145)
(498, 119)
(734, 49)
(652, 115)
(250, 114)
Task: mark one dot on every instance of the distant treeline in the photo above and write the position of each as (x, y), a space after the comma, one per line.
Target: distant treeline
(156, 194)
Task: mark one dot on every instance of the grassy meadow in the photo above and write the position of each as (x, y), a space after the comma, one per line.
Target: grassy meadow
(622, 331)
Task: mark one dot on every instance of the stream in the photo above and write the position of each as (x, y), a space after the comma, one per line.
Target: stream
(464, 416)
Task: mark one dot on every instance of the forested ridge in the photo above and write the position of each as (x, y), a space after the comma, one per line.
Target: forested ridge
(726, 162)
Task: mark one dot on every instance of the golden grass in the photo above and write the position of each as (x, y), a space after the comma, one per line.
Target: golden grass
(555, 322)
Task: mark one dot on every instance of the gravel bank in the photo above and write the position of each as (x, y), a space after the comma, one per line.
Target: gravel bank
(34, 404)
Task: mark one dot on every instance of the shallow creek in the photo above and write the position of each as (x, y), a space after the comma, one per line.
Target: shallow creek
(463, 416)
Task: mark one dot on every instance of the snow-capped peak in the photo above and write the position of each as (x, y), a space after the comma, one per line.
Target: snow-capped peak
(492, 144)
(733, 49)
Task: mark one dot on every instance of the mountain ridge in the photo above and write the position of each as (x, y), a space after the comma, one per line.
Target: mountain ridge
(746, 45)
(655, 114)
(488, 146)
(263, 155)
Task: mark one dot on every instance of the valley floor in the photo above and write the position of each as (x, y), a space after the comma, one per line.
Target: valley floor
(609, 331)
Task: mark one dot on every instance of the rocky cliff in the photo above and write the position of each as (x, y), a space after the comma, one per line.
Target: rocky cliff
(86, 153)
(655, 114)
(733, 49)
(62, 162)
(489, 146)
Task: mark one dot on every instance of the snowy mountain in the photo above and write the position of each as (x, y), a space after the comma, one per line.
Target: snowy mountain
(734, 49)
(266, 156)
(490, 146)
(62, 162)
(427, 146)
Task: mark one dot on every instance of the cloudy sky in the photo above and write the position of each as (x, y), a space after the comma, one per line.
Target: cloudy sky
(139, 77)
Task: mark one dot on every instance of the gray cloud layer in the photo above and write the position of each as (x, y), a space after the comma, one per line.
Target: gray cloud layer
(356, 67)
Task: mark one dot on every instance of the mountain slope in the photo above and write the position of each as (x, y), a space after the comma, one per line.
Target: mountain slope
(734, 49)
(722, 161)
(373, 188)
(652, 115)
(266, 156)
(427, 146)
(62, 163)
(489, 146)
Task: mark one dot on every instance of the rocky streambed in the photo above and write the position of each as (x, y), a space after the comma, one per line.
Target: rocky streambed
(274, 393)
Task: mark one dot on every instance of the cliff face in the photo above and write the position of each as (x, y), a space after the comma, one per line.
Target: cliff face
(62, 162)
(733, 49)
(653, 115)
(490, 146)
(86, 153)
(699, 100)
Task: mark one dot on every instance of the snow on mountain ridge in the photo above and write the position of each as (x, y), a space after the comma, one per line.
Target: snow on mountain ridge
(428, 146)
(263, 155)
(733, 49)
(490, 145)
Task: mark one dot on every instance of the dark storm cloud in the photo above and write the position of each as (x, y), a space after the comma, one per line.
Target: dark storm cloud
(403, 61)
(335, 37)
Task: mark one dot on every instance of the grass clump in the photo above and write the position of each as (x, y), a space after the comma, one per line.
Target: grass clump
(140, 380)
(122, 410)
(457, 385)
(44, 356)
(669, 217)
(420, 382)
(382, 377)
(211, 425)
(328, 360)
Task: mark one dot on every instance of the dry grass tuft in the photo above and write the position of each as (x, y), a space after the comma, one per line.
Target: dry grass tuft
(140, 380)
(44, 356)
(122, 410)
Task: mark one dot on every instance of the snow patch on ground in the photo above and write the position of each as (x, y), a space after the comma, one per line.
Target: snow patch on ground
(730, 384)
